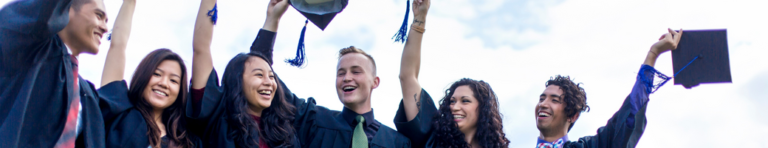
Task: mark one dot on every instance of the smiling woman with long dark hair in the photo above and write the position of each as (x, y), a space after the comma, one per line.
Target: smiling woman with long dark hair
(151, 111)
(468, 115)
(248, 109)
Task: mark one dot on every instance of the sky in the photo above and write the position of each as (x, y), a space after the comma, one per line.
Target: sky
(515, 45)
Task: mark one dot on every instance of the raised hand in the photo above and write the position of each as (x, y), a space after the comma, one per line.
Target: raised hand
(275, 11)
(668, 41)
(420, 8)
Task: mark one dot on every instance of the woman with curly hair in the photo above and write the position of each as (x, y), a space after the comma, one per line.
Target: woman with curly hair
(468, 115)
(248, 110)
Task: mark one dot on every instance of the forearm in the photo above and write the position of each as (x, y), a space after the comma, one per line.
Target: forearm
(114, 66)
(270, 24)
(650, 58)
(201, 58)
(409, 71)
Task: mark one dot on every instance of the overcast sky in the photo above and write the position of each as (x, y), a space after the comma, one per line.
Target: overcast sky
(515, 45)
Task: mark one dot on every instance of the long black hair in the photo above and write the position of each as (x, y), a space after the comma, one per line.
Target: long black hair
(173, 116)
(276, 120)
(490, 133)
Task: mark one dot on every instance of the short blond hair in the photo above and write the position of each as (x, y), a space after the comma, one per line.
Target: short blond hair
(353, 49)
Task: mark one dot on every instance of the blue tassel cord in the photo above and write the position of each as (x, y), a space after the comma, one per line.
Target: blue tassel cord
(109, 37)
(664, 78)
(401, 34)
(213, 13)
(299, 60)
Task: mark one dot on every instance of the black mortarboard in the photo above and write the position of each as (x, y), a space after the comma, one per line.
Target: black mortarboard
(701, 57)
(320, 13)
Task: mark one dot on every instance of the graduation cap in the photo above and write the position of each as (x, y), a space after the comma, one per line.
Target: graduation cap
(320, 13)
(701, 57)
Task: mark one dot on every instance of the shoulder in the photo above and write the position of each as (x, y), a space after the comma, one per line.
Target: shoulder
(388, 137)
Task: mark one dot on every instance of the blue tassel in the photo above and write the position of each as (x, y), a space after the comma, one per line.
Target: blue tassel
(299, 60)
(213, 14)
(401, 34)
(109, 37)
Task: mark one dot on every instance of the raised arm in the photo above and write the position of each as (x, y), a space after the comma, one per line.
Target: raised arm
(25, 24)
(410, 62)
(202, 62)
(265, 40)
(114, 66)
(627, 125)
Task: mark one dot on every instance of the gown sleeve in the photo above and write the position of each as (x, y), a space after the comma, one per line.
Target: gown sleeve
(627, 125)
(113, 99)
(26, 25)
(420, 128)
(201, 112)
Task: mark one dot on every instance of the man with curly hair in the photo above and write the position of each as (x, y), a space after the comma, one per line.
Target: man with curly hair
(563, 100)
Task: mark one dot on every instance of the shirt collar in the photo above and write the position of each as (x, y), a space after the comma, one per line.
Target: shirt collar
(557, 142)
(350, 116)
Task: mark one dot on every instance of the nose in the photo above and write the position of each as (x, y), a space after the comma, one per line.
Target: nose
(347, 78)
(543, 104)
(103, 28)
(266, 81)
(456, 107)
(164, 83)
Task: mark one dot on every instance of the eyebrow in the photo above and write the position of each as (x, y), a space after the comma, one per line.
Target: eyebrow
(257, 69)
(552, 95)
(173, 74)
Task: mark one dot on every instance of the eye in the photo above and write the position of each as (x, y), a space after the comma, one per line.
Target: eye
(541, 99)
(465, 101)
(259, 75)
(453, 101)
(156, 74)
(341, 73)
(174, 81)
(556, 100)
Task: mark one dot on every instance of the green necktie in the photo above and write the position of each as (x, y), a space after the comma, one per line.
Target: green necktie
(359, 140)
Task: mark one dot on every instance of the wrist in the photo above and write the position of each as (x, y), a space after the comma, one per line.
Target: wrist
(271, 24)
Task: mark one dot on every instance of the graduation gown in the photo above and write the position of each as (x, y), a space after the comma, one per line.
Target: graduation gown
(37, 78)
(125, 126)
(627, 125)
(320, 127)
(208, 117)
(420, 129)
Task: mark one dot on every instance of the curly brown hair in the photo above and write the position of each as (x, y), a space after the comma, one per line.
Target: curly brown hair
(574, 96)
(490, 133)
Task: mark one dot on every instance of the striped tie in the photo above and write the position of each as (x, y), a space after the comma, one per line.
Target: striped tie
(69, 135)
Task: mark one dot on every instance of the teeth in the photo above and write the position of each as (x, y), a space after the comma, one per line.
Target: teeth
(348, 88)
(542, 114)
(266, 92)
(458, 117)
(161, 93)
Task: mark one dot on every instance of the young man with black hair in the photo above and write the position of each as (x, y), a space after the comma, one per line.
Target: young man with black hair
(563, 100)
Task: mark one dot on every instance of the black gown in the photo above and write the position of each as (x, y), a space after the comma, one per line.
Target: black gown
(320, 127)
(36, 77)
(614, 134)
(420, 129)
(208, 117)
(126, 127)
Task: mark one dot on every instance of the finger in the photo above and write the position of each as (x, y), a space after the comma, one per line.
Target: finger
(679, 36)
(671, 31)
(662, 36)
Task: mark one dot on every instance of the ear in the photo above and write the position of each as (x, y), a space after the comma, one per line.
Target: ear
(573, 119)
(375, 82)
